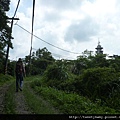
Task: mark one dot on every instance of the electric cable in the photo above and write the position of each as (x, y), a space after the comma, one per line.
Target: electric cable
(46, 41)
(56, 55)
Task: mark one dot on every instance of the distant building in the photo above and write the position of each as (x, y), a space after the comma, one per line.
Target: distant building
(114, 56)
(99, 48)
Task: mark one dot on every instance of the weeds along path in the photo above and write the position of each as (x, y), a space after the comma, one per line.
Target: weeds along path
(36, 103)
(23, 102)
(3, 90)
(12, 102)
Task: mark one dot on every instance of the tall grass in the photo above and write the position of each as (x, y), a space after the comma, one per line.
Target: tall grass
(9, 100)
(70, 103)
(36, 104)
(5, 79)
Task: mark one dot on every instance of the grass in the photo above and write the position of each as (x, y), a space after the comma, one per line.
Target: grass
(32, 78)
(68, 103)
(5, 79)
(9, 100)
(37, 105)
(43, 100)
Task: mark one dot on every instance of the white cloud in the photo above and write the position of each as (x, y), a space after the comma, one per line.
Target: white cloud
(73, 25)
(99, 7)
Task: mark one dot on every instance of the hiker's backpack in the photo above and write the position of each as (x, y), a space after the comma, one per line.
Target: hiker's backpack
(19, 68)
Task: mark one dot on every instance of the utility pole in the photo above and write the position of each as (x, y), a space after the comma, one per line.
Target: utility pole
(9, 39)
(31, 37)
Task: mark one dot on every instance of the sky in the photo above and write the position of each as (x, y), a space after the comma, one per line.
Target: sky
(71, 25)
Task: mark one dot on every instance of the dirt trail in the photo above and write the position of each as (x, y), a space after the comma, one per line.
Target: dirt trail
(3, 90)
(21, 106)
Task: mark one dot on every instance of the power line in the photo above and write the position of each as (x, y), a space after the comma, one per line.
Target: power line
(47, 42)
(56, 55)
(44, 59)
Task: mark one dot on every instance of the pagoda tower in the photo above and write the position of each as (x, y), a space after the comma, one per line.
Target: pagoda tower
(99, 48)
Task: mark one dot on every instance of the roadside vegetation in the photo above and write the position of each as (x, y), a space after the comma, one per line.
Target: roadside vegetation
(4, 79)
(36, 103)
(8, 82)
(69, 102)
(72, 87)
(9, 100)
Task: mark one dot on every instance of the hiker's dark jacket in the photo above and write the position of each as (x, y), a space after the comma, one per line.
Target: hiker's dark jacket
(19, 70)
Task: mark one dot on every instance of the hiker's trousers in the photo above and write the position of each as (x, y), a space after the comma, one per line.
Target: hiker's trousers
(19, 81)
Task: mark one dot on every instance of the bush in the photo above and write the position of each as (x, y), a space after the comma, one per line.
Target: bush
(71, 103)
(96, 79)
(112, 98)
(55, 74)
(5, 78)
(69, 85)
(100, 83)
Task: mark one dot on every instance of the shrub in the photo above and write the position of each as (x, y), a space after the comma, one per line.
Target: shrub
(55, 74)
(96, 79)
(71, 103)
(112, 98)
(69, 85)
(99, 83)
(5, 78)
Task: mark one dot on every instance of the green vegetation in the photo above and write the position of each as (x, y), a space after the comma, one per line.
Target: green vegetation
(54, 75)
(4, 32)
(94, 88)
(70, 103)
(10, 100)
(98, 81)
(5, 79)
(37, 105)
(99, 85)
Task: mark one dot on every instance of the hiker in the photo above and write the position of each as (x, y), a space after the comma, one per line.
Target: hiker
(20, 73)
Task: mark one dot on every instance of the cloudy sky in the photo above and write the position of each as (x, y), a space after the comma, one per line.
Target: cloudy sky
(72, 25)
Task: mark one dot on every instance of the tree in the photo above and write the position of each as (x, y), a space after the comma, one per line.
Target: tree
(44, 54)
(80, 64)
(4, 28)
(11, 68)
(4, 31)
(97, 61)
(39, 61)
(115, 63)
